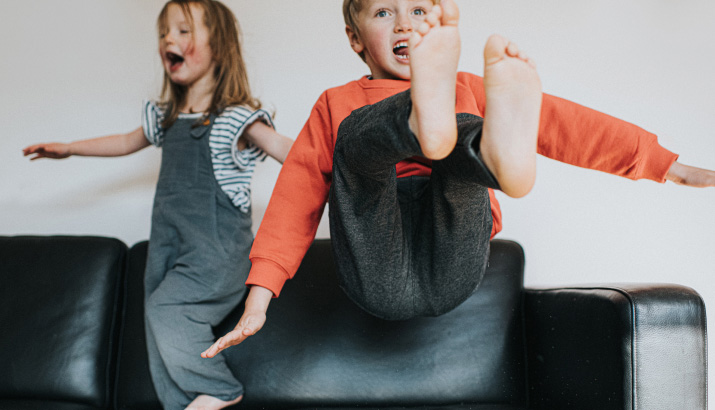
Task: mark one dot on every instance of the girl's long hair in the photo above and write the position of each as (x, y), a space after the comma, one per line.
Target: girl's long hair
(232, 87)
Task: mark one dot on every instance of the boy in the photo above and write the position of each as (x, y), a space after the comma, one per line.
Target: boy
(409, 206)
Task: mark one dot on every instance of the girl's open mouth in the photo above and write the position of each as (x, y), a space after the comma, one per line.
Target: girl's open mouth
(175, 60)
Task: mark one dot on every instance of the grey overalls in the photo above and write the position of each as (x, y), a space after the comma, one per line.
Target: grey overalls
(196, 269)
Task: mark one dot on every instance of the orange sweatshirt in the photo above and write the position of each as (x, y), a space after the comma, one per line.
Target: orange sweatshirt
(568, 132)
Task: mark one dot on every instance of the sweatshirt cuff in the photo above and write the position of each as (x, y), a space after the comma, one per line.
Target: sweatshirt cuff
(656, 163)
(267, 274)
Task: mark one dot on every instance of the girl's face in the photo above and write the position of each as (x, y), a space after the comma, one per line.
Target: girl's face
(185, 51)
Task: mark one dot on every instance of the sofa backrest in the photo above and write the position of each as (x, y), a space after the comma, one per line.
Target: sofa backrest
(59, 299)
(318, 349)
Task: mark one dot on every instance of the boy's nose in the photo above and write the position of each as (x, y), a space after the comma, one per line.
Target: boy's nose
(403, 24)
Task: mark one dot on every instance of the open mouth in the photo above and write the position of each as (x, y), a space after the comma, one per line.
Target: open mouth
(401, 51)
(175, 60)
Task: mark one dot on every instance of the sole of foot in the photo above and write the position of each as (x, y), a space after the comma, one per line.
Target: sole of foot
(434, 57)
(511, 119)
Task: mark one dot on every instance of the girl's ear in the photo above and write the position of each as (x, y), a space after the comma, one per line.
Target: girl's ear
(355, 41)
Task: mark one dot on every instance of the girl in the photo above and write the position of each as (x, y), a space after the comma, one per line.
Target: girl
(212, 132)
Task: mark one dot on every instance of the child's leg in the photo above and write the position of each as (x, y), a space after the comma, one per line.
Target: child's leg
(402, 247)
(182, 304)
(169, 393)
(366, 219)
(453, 227)
(180, 314)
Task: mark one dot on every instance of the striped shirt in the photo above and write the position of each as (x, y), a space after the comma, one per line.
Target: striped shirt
(233, 168)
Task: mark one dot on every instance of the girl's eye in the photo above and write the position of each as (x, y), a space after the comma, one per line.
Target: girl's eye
(381, 13)
(420, 12)
(184, 31)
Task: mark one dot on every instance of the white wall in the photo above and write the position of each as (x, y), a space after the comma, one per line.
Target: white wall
(64, 77)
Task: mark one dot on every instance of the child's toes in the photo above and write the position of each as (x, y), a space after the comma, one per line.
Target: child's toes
(512, 49)
(450, 13)
(414, 40)
(433, 17)
(495, 49)
(423, 28)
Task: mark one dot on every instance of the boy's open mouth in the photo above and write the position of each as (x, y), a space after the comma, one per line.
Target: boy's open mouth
(175, 60)
(401, 51)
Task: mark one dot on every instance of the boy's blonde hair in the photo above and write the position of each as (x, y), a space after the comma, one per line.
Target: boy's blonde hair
(351, 9)
(232, 87)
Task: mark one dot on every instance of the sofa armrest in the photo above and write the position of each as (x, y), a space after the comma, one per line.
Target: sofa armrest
(623, 346)
(60, 299)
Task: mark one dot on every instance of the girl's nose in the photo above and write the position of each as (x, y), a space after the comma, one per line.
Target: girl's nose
(168, 37)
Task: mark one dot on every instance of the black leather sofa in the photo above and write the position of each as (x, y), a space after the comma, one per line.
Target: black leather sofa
(71, 338)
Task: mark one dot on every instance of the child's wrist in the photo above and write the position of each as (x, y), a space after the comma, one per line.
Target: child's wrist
(258, 298)
(690, 176)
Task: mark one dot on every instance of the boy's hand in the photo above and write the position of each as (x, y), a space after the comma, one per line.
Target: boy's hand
(691, 176)
(50, 150)
(251, 322)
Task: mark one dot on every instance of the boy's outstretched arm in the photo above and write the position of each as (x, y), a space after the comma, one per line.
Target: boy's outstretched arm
(254, 316)
(109, 146)
(691, 176)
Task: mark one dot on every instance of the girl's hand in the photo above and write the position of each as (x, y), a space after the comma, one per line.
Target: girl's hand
(251, 322)
(49, 150)
(108, 146)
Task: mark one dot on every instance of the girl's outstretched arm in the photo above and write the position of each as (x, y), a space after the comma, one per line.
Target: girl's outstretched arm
(254, 316)
(267, 139)
(691, 176)
(109, 146)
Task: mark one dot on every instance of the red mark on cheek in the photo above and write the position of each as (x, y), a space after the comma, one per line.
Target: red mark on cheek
(190, 50)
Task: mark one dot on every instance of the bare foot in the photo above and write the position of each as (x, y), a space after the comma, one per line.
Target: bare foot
(511, 118)
(434, 56)
(206, 402)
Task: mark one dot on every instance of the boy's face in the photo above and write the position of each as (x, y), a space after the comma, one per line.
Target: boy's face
(385, 27)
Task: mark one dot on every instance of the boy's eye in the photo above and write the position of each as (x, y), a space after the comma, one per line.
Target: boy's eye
(420, 12)
(381, 13)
